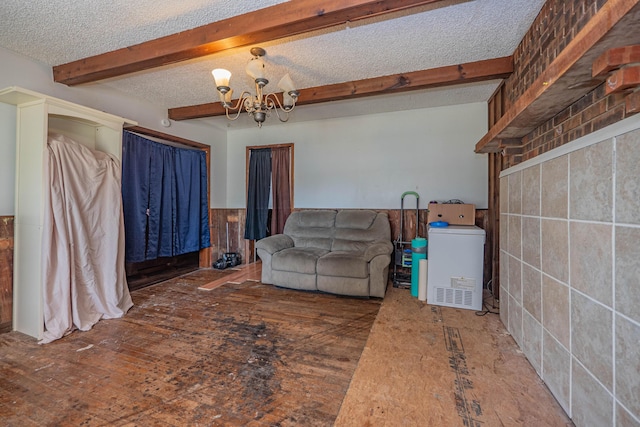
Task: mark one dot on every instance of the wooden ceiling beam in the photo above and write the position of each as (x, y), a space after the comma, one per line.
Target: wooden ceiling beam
(498, 68)
(283, 20)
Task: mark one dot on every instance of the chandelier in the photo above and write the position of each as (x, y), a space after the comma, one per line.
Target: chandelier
(259, 105)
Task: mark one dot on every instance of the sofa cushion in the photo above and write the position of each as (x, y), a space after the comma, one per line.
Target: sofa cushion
(275, 243)
(355, 246)
(344, 285)
(315, 218)
(311, 229)
(355, 230)
(358, 219)
(288, 279)
(343, 264)
(297, 260)
(312, 242)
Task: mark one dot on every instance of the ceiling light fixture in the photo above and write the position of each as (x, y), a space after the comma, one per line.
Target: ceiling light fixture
(259, 105)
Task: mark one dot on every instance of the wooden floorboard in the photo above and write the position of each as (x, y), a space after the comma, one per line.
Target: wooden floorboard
(247, 272)
(252, 354)
(240, 354)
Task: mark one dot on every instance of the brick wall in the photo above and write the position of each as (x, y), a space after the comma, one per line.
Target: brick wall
(557, 24)
(590, 113)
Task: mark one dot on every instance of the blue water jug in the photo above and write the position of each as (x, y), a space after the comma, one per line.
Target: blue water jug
(418, 252)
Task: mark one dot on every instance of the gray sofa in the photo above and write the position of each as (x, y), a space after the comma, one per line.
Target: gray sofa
(344, 252)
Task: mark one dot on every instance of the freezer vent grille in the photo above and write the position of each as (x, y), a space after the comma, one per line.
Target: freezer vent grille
(454, 297)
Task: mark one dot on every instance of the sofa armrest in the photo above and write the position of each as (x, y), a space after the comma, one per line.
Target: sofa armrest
(378, 248)
(275, 243)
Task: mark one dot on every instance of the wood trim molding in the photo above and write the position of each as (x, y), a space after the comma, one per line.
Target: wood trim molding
(167, 137)
(490, 69)
(275, 22)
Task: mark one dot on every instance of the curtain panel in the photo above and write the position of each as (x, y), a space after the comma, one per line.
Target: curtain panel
(165, 201)
(258, 194)
(281, 188)
(192, 205)
(161, 201)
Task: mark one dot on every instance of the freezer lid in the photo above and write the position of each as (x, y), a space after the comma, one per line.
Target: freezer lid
(457, 229)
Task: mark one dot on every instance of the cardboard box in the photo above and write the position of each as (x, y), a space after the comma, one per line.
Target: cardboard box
(454, 214)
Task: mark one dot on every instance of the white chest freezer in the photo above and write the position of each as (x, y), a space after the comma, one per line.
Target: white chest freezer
(456, 264)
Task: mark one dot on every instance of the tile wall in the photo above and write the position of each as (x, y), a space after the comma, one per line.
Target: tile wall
(570, 276)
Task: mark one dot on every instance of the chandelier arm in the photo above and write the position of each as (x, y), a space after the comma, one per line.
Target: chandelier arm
(273, 102)
(286, 119)
(245, 94)
(259, 96)
(234, 117)
(273, 97)
(238, 107)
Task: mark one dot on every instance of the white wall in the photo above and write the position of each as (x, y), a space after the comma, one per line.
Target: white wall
(7, 158)
(18, 70)
(219, 173)
(369, 161)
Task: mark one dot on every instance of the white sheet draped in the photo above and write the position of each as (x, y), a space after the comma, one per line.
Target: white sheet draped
(83, 239)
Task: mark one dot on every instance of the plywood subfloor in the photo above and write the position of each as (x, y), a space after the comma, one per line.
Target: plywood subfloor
(240, 354)
(426, 365)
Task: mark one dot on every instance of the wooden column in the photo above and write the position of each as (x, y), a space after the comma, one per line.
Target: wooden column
(493, 235)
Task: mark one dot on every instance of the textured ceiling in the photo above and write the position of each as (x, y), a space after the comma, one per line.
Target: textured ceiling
(445, 33)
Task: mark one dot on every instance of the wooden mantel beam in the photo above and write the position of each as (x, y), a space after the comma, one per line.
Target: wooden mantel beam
(283, 20)
(498, 68)
(615, 58)
(624, 78)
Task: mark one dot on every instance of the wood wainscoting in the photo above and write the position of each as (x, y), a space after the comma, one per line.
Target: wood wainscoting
(233, 220)
(6, 273)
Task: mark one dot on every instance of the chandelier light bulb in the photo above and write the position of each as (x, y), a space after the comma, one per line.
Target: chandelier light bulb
(255, 68)
(222, 77)
(286, 84)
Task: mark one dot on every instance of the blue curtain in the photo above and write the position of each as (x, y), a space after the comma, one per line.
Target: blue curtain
(165, 200)
(162, 201)
(136, 164)
(258, 194)
(191, 201)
